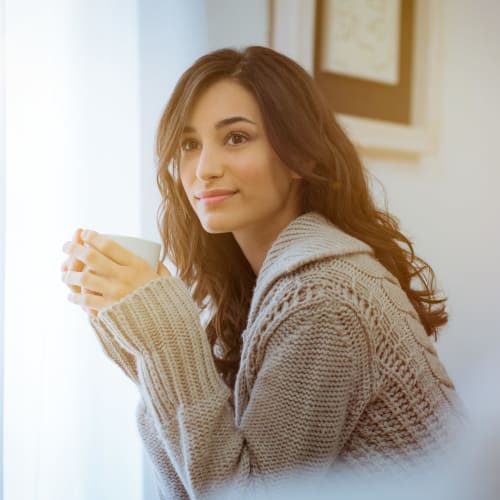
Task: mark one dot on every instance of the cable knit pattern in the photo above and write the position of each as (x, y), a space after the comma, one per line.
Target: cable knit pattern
(335, 368)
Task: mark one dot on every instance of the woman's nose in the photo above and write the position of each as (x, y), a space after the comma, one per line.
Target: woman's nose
(209, 165)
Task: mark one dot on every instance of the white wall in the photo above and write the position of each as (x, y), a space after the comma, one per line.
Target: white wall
(449, 202)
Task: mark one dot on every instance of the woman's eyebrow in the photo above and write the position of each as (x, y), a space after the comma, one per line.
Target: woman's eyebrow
(231, 120)
(220, 124)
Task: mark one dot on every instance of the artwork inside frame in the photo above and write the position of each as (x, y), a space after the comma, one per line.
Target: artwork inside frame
(363, 55)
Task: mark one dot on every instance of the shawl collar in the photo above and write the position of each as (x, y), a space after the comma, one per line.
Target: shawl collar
(308, 238)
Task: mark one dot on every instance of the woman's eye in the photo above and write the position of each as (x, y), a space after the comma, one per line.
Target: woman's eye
(236, 138)
(189, 145)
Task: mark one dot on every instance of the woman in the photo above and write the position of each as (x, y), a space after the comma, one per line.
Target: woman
(316, 346)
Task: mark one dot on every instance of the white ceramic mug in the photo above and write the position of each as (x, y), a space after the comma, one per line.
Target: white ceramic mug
(147, 249)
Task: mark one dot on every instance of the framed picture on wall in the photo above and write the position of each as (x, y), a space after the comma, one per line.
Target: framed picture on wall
(363, 57)
(376, 61)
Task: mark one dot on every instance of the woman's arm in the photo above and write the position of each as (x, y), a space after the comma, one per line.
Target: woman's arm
(113, 350)
(171, 486)
(168, 482)
(312, 383)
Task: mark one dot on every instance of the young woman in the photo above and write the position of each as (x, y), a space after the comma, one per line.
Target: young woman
(315, 350)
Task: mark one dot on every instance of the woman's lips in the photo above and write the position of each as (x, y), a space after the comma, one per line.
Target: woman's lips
(213, 197)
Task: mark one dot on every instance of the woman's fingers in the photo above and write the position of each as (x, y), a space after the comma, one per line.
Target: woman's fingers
(103, 270)
(110, 248)
(72, 264)
(88, 301)
(90, 257)
(85, 280)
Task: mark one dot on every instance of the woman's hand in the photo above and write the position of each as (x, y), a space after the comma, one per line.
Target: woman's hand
(103, 272)
(72, 264)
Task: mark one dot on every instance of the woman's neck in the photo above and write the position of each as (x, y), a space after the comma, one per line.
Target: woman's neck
(256, 242)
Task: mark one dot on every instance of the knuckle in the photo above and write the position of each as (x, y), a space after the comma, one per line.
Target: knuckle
(91, 257)
(106, 246)
(85, 280)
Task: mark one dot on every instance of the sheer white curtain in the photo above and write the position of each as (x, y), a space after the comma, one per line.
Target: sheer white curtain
(86, 84)
(73, 159)
(2, 225)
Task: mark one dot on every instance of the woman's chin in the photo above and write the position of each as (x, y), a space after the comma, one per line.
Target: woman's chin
(215, 226)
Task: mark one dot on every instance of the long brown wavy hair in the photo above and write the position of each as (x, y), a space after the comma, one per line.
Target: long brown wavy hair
(304, 133)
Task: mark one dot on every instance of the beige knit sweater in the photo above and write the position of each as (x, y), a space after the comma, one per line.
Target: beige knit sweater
(335, 368)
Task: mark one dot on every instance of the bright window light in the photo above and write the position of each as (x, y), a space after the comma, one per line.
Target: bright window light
(72, 142)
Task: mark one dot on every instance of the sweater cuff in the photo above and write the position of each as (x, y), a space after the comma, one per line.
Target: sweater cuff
(124, 359)
(160, 322)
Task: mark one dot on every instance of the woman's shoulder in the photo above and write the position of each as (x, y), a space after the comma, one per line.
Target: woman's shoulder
(356, 284)
(314, 260)
(334, 278)
(308, 240)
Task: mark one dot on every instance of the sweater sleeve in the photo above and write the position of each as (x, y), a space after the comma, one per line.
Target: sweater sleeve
(114, 351)
(179, 383)
(169, 483)
(308, 387)
(311, 383)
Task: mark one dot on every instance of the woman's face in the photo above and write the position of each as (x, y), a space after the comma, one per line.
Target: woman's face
(232, 177)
